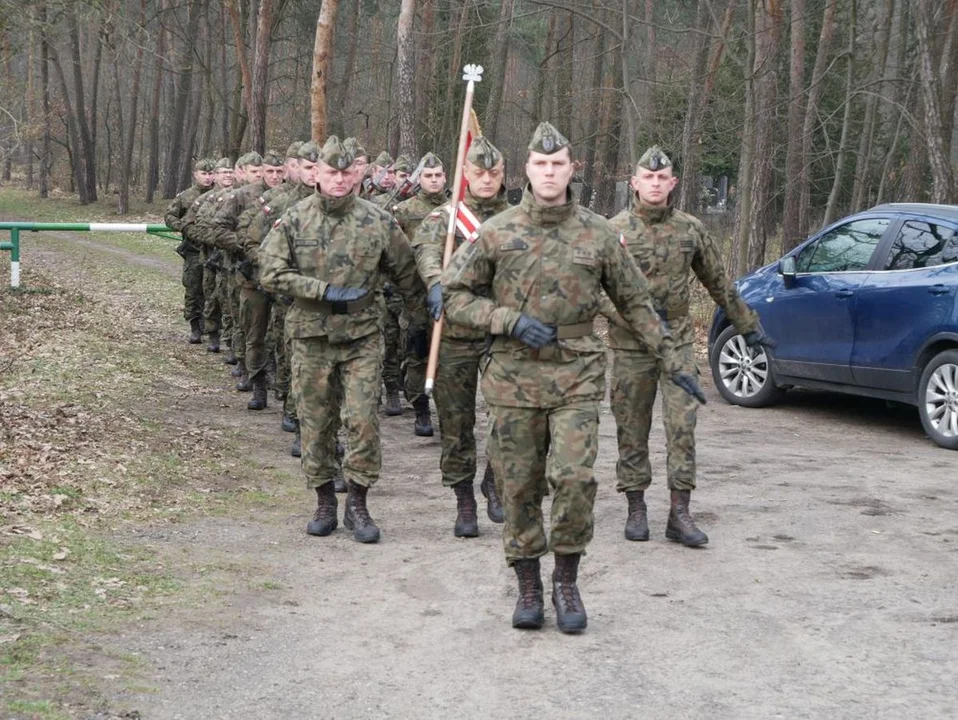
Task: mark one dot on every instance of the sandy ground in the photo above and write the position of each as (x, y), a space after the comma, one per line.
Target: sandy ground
(828, 588)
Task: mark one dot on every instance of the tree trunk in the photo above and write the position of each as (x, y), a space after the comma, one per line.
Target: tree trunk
(611, 132)
(45, 158)
(543, 101)
(941, 174)
(405, 65)
(794, 160)
(687, 199)
(325, 24)
(831, 210)
(84, 155)
(342, 92)
(126, 163)
(499, 52)
(631, 137)
(29, 115)
(426, 89)
(738, 260)
(449, 114)
(592, 134)
(90, 150)
(565, 62)
(184, 88)
(259, 94)
(72, 130)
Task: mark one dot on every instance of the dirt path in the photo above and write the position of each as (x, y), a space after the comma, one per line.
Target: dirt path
(828, 589)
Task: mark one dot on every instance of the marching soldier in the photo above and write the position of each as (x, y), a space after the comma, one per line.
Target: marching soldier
(669, 246)
(533, 277)
(189, 249)
(329, 252)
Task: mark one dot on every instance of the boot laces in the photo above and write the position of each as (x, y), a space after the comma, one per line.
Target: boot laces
(529, 585)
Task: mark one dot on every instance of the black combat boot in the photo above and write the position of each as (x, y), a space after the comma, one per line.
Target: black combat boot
(488, 489)
(637, 525)
(530, 607)
(214, 346)
(357, 516)
(467, 524)
(324, 521)
(258, 401)
(238, 369)
(243, 383)
(681, 527)
(340, 481)
(570, 612)
(423, 426)
(231, 358)
(393, 405)
(196, 331)
(297, 449)
(289, 423)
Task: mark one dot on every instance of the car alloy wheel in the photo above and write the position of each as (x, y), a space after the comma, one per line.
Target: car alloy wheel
(744, 371)
(941, 400)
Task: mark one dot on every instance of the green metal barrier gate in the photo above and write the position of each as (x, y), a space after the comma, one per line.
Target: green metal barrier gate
(16, 228)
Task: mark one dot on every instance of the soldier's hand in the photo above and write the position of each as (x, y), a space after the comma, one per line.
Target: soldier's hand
(434, 301)
(758, 338)
(338, 297)
(690, 385)
(418, 341)
(532, 332)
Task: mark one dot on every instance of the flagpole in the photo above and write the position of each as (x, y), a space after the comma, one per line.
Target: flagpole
(471, 74)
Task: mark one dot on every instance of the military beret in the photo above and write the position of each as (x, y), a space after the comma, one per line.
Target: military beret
(655, 159)
(293, 149)
(273, 158)
(547, 139)
(483, 153)
(205, 165)
(252, 158)
(404, 163)
(224, 164)
(431, 160)
(355, 148)
(384, 159)
(335, 155)
(309, 151)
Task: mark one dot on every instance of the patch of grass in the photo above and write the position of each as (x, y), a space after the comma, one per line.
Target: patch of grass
(42, 709)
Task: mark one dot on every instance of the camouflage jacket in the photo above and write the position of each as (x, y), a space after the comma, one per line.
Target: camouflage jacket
(667, 245)
(429, 244)
(178, 208)
(347, 242)
(410, 213)
(271, 204)
(229, 223)
(551, 263)
(199, 212)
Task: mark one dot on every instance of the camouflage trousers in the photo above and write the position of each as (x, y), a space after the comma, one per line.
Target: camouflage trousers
(456, 380)
(636, 375)
(193, 281)
(392, 344)
(281, 348)
(559, 445)
(235, 325)
(338, 384)
(255, 309)
(212, 308)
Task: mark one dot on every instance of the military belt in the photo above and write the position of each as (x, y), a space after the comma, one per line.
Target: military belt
(675, 313)
(566, 332)
(350, 308)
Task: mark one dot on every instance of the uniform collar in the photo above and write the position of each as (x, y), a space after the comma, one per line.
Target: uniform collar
(434, 199)
(650, 215)
(336, 206)
(547, 215)
(495, 204)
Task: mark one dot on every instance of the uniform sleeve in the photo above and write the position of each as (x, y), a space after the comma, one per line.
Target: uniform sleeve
(278, 271)
(173, 217)
(399, 265)
(472, 268)
(629, 291)
(607, 310)
(429, 244)
(708, 267)
(222, 225)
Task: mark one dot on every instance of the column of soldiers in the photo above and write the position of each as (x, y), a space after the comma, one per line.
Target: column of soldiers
(342, 266)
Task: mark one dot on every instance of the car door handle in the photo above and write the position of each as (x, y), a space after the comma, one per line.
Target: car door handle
(844, 294)
(938, 290)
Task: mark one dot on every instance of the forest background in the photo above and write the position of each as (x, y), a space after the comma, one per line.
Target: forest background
(812, 108)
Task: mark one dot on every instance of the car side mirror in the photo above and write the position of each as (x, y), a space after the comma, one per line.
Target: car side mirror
(787, 269)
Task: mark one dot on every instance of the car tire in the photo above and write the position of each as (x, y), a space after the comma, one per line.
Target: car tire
(742, 375)
(938, 399)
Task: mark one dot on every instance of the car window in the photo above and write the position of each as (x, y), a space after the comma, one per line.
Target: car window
(922, 245)
(846, 248)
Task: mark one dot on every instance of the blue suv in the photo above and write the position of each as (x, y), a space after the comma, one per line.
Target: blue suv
(867, 306)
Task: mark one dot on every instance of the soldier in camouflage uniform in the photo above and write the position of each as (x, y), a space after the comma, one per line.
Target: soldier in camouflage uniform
(218, 229)
(533, 277)
(329, 252)
(410, 215)
(462, 347)
(668, 245)
(380, 177)
(188, 249)
(230, 231)
(210, 257)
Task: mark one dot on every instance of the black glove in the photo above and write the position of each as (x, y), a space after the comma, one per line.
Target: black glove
(181, 248)
(532, 332)
(388, 291)
(434, 301)
(690, 385)
(758, 338)
(338, 297)
(418, 341)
